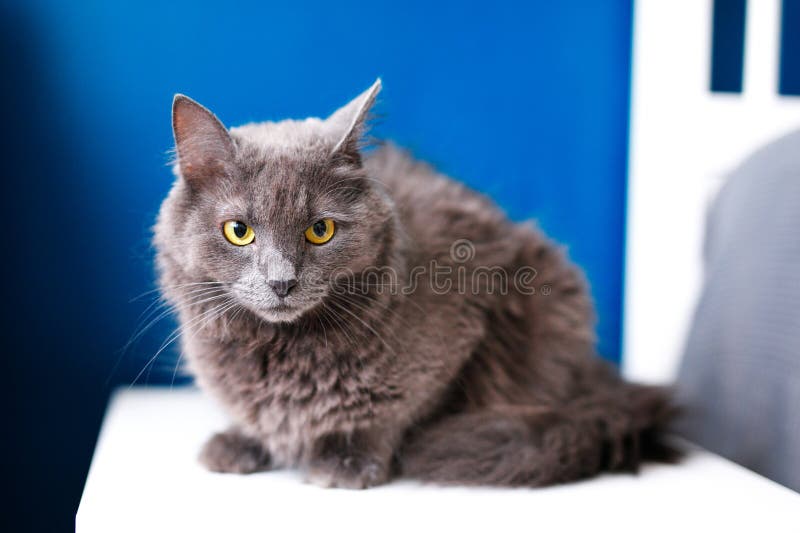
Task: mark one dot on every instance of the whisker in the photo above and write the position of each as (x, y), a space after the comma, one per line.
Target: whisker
(344, 327)
(180, 354)
(178, 286)
(180, 330)
(156, 311)
(385, 306)
(374, 313)
(365, 325)
(341, 322)
(197, 299)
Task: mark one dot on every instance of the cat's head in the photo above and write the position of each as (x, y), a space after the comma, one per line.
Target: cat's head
(272, 210)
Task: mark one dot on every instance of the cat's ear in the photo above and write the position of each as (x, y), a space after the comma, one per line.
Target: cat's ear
(203, 145)
(348, 123)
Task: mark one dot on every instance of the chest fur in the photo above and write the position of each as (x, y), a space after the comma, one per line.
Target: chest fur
(289, 394)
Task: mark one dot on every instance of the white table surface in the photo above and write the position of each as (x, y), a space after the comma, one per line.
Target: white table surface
(145, 478)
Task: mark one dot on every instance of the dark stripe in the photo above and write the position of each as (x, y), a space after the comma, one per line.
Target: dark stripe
(789, 76)
(727, 46)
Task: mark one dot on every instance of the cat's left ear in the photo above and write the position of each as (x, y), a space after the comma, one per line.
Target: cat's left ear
(349, 123)
(203, 144)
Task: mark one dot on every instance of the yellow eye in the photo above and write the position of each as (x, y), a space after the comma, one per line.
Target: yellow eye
(320, 231)
(238, 233)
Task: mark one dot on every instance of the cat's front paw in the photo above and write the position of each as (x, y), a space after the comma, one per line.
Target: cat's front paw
(337, 463)
(233, 452)
(350, 472)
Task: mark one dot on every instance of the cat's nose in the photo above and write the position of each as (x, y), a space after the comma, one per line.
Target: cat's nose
(281, 287)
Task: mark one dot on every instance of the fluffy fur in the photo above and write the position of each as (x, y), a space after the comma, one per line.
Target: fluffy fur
(355, 378)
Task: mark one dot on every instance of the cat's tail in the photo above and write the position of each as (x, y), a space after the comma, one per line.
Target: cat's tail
(526, 446)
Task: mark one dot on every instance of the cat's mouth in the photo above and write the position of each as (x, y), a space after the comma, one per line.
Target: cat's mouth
(282, 308)
(280, 312)
(272, 308)
(274, 311)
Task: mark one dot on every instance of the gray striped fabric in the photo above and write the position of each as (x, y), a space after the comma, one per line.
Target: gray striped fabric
(740, 375)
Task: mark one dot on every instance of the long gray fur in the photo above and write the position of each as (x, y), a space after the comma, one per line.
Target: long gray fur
(355, 380)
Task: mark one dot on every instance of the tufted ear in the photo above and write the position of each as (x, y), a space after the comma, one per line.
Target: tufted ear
(349, 123)
(203, 145)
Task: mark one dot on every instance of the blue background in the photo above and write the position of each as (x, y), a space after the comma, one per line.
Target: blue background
(527, 102)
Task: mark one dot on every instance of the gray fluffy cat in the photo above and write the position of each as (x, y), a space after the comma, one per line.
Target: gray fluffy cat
(361, 316)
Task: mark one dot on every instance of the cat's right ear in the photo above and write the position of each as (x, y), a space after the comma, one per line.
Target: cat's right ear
(203, 145)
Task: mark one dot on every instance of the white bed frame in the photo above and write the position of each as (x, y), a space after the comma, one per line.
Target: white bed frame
(684, 139)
